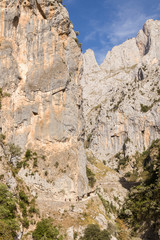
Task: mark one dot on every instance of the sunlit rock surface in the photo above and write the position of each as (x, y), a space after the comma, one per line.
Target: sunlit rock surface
(40, 68)
(121, 97)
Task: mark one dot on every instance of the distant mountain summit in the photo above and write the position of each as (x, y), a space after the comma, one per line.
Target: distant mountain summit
(121, 97)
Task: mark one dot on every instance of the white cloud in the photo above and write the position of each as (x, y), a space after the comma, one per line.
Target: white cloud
(128, 19)
(158, 8)
(90, 36)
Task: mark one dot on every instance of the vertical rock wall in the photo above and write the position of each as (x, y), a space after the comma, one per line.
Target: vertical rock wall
(40, 68)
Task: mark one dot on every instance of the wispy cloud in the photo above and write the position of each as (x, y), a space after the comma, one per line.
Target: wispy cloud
(68, 1)
(158, 8)
(128, 19)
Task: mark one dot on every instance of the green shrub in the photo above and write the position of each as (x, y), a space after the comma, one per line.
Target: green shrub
(2, 138)
(3, 95)
(28, 154)
(43, 158)
(158, 91)
(75, 235)
(116, 106)
(109, 208)
(56, 164)
(118, 155)
(8, 222)
(46, 230)
(7, 203)
(128, 174)
(91, 177)
(1, 176)
(5, 231)
(23, 207)
(19, 165)
(33, 210)
(35, 163)
(141, 209)
(145, 108)
(25, 223)
(14, 150)
(93, 232)
(88, 141)
(23, 197)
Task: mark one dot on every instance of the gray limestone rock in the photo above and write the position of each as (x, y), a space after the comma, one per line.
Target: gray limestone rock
(121, 98)
(11, 182)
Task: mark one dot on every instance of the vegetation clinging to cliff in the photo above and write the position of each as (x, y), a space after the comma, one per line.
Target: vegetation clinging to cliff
(93, 232)
(8, 222)
(91, 177)
(141, 210)
(46, 230)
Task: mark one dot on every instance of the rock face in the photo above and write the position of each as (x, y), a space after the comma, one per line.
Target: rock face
(51, 96)
(40, 68)
(121, 97)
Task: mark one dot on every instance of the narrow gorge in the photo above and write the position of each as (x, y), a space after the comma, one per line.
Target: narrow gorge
(75, 136)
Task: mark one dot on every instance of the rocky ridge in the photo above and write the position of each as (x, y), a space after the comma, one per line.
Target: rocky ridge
(121, 97)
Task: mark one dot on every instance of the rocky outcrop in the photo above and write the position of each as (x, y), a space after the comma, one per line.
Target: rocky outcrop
(121, 97)
(40, 68)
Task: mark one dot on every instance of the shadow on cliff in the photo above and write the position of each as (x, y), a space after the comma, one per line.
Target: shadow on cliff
(150, 233)
(128, 184)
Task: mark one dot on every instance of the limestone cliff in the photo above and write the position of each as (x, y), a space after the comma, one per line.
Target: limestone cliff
(121, 97)
(40, 68)
(52, 97)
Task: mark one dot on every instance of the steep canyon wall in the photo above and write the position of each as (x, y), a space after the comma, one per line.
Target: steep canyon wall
(41, 68)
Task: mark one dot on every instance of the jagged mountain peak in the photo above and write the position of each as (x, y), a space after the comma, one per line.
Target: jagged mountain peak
(126, 89)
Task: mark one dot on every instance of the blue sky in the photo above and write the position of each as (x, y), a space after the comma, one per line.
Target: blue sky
(102, 24)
